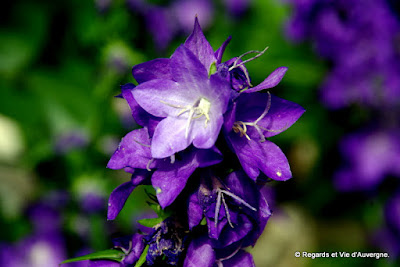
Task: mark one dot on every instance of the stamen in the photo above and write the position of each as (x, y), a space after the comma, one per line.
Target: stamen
(141, 143)
(220, 197)
(217, 207)
(266, 109)
(243, 131)
(259, 53)
(172, 157)
(238, 199)
(199, 109)
(148, 164)
(228, 215)
(233, 253)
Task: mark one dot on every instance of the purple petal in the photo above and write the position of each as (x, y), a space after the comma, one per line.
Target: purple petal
(200, 47)
(263, 215)
(195, 211)
(169, 138)
(138, 113)
(157, 97)
(243, 187)
(231, 235)
(154, 69)
(120, 194)
(242, 258)
(136, 250)
(170, 179)
(220, 51)
(133, 151)
(118, 198)
(208, 157)
(271, 81)
(265, 156)
(281, 115)
(205, 137)
(214, 232)
(229, 117)
(200, 253)
(186, 67)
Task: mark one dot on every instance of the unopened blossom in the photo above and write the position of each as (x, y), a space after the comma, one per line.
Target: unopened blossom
(132, 248)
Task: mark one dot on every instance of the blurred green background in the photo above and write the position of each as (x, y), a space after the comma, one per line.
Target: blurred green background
(61, 64)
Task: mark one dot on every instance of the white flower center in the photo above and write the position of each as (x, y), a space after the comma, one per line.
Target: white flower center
(199, 109)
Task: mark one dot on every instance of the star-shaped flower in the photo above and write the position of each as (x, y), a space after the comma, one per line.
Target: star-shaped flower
(253, 118)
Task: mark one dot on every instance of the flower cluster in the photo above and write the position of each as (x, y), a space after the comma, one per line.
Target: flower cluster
(361, 39)
(210, 204)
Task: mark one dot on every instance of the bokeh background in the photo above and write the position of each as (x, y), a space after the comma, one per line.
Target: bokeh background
(62, 64)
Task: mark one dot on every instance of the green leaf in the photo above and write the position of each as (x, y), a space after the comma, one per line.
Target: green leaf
(213, 69)
(142, 258)
(150, 222)
(110, 254)
(157, 208)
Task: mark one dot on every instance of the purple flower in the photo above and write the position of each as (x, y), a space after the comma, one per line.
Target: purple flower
(234, 209)
(70, 140)
(44, 247)
(190, 102)
(360, 38)
(165, 22)
(134, 153)
(371, 155)
(254, 118)
(185, 10)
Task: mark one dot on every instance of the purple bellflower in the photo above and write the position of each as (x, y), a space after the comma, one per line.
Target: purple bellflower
(234, 209)
(371, 157)
(192, 105)
(44, 247)
(255, 117)
(179, 91)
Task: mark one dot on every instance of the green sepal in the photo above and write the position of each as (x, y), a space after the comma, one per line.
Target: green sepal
(142, 258)
(203, 221)
(150, 222)
(156, 207)
(110, 254)
(163, 214)
(213, 69)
